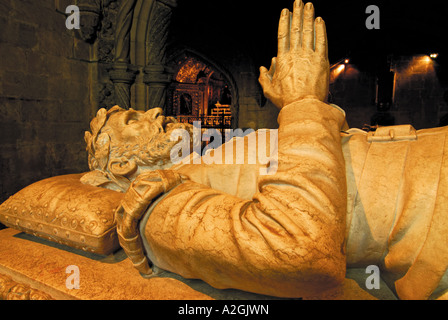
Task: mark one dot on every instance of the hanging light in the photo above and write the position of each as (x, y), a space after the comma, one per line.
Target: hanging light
(433, 55)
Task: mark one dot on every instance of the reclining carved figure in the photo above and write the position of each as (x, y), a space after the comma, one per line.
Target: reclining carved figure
(339, 197)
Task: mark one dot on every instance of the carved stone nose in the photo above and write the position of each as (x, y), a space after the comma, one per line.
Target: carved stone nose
(154, 113)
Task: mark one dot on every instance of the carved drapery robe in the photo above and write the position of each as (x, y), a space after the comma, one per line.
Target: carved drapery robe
(366, 198)
(280, 234)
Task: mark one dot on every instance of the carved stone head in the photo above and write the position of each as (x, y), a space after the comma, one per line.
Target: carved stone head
(124, 143)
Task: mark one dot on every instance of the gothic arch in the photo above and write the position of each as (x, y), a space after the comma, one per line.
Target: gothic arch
(131, 42)
(179, 54)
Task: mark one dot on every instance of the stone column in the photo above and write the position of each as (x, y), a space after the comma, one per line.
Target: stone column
(123, 73)
(123, 76)
(156, 76)
(157, 80)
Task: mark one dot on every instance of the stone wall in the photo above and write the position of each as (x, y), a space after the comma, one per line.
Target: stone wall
(354, 91)
(420, 91)
(417, 90)
(45, 94)
(255, 111)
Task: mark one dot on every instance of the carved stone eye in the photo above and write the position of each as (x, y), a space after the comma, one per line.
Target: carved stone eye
(131, 117)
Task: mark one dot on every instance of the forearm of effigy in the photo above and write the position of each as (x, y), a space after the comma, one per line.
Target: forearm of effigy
(287, 240)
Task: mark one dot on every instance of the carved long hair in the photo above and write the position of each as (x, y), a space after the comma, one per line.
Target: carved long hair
(97, 151)
(113, 164)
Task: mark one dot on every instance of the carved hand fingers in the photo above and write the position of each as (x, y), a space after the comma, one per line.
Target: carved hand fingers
(296, 26)
(299, 31)
(301, 67)
(308, 27)
(321, 38)
(265, 80)
(283, 33)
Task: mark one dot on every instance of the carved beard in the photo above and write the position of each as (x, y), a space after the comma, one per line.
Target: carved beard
(151, 151)
(143, 154)
(156, 150)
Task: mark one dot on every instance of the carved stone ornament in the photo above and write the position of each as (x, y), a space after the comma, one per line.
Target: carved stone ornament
(11, 290)
(123, 76)
(122, 31)
(90, 13)
(157, 80)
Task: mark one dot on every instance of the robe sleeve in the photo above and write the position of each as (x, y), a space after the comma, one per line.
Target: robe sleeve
(288, 240)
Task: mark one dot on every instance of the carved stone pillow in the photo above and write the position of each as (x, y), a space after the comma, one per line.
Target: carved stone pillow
(64, 210)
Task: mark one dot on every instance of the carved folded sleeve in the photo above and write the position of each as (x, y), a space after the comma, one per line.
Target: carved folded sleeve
(288, 240)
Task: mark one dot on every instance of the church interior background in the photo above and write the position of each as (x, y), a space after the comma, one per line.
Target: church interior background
(196, 59)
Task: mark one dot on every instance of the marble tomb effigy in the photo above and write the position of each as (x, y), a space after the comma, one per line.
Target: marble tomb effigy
(334, 199)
